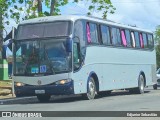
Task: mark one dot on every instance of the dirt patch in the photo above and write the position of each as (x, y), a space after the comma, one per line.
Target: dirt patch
(5, 93)
(6, 96)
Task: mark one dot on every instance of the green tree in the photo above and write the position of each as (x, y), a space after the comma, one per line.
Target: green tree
(3, 8)
(35, 8)
(157, 39)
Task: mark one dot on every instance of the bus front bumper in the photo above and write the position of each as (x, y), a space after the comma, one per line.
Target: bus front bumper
(31, 90)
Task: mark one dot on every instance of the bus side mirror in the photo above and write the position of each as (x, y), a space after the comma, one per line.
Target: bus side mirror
(69, 45)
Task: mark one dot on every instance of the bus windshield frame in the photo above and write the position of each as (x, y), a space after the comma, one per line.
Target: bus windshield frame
(35, 41)
(44, 30)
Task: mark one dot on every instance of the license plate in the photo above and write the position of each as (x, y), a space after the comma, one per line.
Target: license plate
(39, 91)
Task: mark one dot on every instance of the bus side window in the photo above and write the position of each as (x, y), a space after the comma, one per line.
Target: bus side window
(128, 38)
(105, 35)
(116, 39)
(133, 39)
(79, 31)
(88, 33)
(150, 41)
(145, 40)
(81, 28)
(124, 41)
(141, 40)
(93, 33)
(137, 40)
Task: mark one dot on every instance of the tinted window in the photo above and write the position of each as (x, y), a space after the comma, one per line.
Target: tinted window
(141, 40)
(93, 32)
(137, 39)
(150, 41)
(79, 32)
(145, 40)
(124, 41)
(128, 38)
(116, 39)
(105, 35)
(133, 39)
(40, 30)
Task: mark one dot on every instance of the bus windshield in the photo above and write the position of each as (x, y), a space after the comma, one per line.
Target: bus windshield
(41, 56)
(43, 30)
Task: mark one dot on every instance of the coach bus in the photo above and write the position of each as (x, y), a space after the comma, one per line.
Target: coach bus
(64, 55)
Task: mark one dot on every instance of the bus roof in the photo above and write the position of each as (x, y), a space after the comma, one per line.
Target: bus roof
(76, 17)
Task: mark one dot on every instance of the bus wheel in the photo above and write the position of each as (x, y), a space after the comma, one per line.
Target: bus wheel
(140, 88)
(155, 86)
(91, 89)
(141, 84)
(43, 98)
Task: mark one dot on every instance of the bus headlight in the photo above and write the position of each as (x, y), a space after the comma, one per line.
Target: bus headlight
(18, 84)
(62, 82)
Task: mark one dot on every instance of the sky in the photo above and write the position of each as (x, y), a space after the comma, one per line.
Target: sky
(142, 13)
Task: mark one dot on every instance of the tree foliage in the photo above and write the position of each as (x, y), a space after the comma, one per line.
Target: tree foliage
(157, 34)
(157, 39)
(35, 8)
(3, 8)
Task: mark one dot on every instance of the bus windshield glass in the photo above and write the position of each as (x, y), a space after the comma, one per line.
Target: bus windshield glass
(43, 30)
(41, 56)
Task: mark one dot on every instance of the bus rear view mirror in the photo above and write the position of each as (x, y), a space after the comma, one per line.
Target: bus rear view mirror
(69, 45)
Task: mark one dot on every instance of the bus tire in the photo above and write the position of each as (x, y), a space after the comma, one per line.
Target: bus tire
(155, 86)
(140, 88)
(43, 98)
(141, 84)
(91, 89)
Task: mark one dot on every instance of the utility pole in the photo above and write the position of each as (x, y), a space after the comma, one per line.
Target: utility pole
(1, 30)
(1, 43)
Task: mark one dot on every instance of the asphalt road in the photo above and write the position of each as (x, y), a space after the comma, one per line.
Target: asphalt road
(117, 101)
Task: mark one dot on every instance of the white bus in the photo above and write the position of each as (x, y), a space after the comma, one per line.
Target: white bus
(64, 55)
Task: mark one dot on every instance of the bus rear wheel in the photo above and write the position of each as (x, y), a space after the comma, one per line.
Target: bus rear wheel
(141, 84)
(140, 88)
(43, 98)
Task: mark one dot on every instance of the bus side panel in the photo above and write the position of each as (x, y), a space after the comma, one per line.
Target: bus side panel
(81, 77)
(116, 68)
